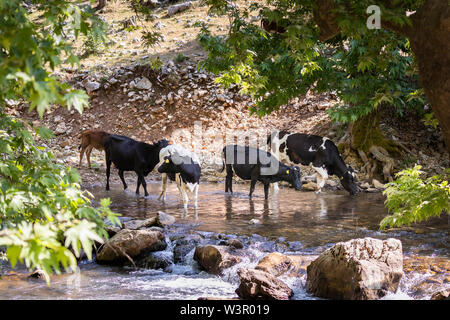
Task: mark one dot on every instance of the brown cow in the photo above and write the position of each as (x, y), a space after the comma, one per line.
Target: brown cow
(91, 139)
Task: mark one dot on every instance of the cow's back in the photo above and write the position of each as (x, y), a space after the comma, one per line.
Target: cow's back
(175, 149)
(121, 151)
(315, 149)
(244, 159)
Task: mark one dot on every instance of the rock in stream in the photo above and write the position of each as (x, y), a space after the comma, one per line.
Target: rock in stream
(359, 269)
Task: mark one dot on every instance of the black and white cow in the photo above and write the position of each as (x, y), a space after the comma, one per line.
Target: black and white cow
(182, 166)
(321, 152)
(257, 165)
(131, 155)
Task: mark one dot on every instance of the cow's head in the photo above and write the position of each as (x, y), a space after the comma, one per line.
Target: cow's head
(348, 181)
(293, 176)
(167, 166)
(174, 163)
(162, 143)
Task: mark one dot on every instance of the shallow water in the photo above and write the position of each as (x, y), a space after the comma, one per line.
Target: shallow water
(292, 222)
(314, 220)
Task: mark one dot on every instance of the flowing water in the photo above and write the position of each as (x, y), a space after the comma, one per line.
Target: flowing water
(293, 222)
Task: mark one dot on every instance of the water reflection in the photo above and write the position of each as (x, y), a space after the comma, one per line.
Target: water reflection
(313, 219)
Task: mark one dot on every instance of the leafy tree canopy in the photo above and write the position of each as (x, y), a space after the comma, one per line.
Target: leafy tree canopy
(413, 199)
(365, 68)
(276, 50)
(45, 217)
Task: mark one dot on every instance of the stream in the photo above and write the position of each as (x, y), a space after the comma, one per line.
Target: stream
(293, 222)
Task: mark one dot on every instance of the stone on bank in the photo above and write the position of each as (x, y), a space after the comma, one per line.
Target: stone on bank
(128, 244)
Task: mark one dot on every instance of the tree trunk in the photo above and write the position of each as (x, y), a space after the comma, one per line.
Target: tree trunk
(367, 139)
(429, 38)
(431, 45)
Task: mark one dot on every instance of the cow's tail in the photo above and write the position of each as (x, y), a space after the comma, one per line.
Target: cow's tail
(223, 163)
(82, 137)
(269, 142)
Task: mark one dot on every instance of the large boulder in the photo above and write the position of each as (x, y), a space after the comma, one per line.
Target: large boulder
(277, 264)
(214, 259)
(261, 285)
(359, 269)
(127, 244)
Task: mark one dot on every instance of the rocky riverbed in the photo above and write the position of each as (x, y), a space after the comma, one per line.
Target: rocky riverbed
(251, 252)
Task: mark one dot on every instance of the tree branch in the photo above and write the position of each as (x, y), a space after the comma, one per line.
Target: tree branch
(325, 19)
(405, 30)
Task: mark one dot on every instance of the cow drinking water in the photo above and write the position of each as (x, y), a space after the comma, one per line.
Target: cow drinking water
(257, 165)
(131, 155)
(321, 152)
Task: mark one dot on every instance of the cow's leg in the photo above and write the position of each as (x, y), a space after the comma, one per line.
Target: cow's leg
(83, 149)
(254, 178)
(196, 195)
(144, 185)
(321, 177)
(266, 190)
(123, 180)
(138, 183)
(274, 188)
(162, 196)
(108, 170)
(141, 180)
(229, 179)
(252, 187)
(88, 155)
(182, 188)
